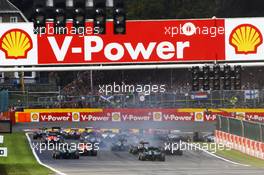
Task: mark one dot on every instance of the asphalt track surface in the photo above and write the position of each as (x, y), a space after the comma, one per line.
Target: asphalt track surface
(122, 163)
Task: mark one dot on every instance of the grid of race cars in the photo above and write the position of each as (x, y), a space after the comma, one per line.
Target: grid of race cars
(147, 145)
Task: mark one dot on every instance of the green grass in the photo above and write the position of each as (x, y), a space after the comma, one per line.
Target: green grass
(239, 157)
(20, 160)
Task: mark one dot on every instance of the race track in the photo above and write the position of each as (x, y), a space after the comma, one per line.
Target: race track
(122, 163)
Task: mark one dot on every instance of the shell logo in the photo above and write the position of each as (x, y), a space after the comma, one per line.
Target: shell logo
(157, 116)
(116, 116)
(34, 117)
(16, 44)
(199, 116)
(75, 116)
(246, 39)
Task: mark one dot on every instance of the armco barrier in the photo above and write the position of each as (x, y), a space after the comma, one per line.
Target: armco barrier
(245, 145)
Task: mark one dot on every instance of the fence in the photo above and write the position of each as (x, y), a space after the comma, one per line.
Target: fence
(33, 99)
(211, 99)
(247, 129)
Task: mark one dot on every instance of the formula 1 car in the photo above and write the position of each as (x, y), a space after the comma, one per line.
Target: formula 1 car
(120, 145)
(92, 137)
(88, 149)
(73, 133)
(177, 138)
(66, 153)
(89, 144)
(56, 129)
(209, 137)
(108, 135)
(136, 149)
(173, 144)
(152, 154)
(88, 136)
(174, 148)
(52, 137)
(39, 133)
(89, 129)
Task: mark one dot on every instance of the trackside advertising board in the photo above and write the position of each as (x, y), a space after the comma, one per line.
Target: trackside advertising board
(115, 115)
(151, 41)
(135, 115)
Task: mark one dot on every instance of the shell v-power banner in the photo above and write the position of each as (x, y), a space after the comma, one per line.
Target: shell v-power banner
(151, 41)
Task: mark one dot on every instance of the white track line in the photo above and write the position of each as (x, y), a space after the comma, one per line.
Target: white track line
(214, 155)
(39, 161)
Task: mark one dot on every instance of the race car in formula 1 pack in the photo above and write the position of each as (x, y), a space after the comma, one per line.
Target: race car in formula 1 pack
(72, 133)
(173, 148)
(173, 145)
(52, 137)
(120, 145)
(56, 129)
(66, 153)
(90, 137)
(38, 134)
(108, 135)
(136, 149)
(152, 154)
(88, 149)
(86, 132)
(209, 137)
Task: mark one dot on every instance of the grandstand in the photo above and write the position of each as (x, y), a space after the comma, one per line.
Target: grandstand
(83, 90)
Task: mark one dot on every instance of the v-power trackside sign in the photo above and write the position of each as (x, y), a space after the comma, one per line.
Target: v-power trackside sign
(152, 41)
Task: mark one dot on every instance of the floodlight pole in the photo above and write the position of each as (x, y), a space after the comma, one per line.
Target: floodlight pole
(91, 80)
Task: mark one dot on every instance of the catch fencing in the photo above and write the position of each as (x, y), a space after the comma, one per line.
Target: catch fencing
(177, 99)
(247, 129)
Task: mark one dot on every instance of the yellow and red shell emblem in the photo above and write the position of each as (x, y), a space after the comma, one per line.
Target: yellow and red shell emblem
(246, 39)
(16, 43)
(75, 116)
(116, 116)
(35, 116)
(157, 116)
(199, 116)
